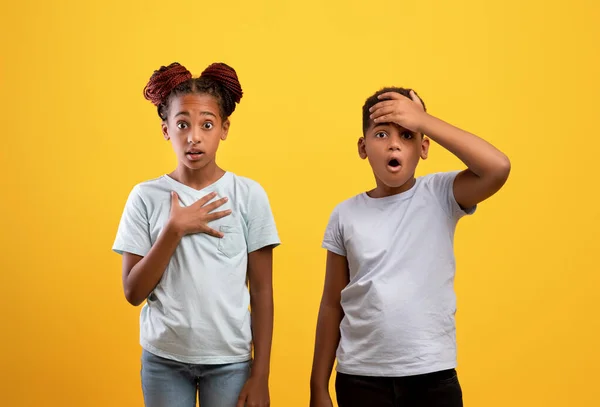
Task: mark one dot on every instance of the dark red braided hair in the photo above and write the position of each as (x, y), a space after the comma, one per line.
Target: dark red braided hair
(164, 80)
(218, 80)
(226, 75)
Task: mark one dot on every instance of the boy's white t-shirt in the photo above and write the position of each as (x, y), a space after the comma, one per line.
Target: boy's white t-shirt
(199, 311)
(399, 305)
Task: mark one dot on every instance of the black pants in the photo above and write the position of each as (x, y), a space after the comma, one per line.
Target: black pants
(439, 389)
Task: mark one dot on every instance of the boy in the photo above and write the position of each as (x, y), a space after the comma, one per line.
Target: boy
(388, 303)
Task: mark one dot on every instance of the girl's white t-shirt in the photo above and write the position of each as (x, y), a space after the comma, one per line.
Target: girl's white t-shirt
(199, 311)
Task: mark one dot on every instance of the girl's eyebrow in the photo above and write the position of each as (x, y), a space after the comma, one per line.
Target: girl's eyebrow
(185, 113)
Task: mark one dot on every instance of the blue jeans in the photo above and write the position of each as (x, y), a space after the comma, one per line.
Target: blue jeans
(167, 383)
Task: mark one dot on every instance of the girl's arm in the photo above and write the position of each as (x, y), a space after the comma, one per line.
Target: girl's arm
(142, 274)
(260, 277)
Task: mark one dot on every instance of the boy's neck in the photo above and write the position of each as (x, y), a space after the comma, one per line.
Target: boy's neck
(382, 190)
(197, 179)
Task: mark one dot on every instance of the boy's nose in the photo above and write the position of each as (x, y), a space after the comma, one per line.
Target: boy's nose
(394, 145)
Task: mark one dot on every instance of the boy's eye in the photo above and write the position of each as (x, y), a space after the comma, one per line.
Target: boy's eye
(182, 125)
(407, 135)
(208, 125)
(380, 134)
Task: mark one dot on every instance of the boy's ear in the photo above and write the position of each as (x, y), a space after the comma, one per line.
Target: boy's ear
(424, 147)
(165, 131)
(362, 151)
(225, 132)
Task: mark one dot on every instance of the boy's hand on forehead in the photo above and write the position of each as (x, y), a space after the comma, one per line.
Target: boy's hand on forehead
(397, 108)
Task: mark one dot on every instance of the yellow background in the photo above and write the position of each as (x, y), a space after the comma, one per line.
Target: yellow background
(77, 135)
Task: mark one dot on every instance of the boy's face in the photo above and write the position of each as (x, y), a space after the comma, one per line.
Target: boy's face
(195, 128)
(393, 153)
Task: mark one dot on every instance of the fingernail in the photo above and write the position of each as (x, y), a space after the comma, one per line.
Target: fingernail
(226, 199)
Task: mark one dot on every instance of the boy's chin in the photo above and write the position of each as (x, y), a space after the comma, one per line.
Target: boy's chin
(395, 185)
(394, 181)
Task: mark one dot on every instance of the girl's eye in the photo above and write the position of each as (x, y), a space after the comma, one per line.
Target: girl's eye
(208, 125)
(182, 125)
(381, 134)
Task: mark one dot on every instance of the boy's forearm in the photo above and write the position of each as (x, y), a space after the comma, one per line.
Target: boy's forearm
(262, 330)
(146, 274)
(326, 343)
(482, 158)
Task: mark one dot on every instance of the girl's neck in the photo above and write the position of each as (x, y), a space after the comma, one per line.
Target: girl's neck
(197, 179)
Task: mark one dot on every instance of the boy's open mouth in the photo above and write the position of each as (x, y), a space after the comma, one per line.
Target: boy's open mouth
(394, 163)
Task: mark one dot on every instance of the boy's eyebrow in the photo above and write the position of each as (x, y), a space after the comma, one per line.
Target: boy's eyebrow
(392, 124)
(382, 125)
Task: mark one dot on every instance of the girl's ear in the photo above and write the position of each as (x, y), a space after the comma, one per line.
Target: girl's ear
(225, 132)
(165, 130)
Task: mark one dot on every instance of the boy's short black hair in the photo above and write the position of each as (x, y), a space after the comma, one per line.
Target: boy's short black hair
(372, 101)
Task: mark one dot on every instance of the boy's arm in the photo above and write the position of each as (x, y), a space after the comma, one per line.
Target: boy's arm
(487, 167)
(328, 326)
(260, 276)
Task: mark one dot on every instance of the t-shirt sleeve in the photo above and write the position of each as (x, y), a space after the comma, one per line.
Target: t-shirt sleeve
(262, 230)
(133, 234)
(333, 239)
(442, 185)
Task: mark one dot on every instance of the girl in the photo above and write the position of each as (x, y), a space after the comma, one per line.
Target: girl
(191, 241)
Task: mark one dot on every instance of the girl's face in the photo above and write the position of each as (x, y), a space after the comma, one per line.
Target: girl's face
(195, 128)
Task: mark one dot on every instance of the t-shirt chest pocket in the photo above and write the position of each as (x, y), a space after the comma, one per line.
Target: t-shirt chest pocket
(233, 243)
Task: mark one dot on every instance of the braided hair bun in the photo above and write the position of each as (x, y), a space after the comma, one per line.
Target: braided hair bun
(218, 80)
(163, 81)
(226, 77)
